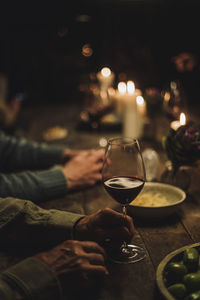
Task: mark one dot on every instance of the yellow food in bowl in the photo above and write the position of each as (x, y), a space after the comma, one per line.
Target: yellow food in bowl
(150, 199)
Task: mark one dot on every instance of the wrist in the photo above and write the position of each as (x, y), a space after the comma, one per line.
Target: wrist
(79, 229)
(66, 155)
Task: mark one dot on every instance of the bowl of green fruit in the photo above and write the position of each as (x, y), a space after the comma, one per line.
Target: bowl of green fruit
(178, 274)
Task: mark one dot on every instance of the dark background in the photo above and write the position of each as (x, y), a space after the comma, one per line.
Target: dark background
(41, 44)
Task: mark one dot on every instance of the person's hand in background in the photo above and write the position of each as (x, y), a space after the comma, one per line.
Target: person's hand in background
(84, 169)
(71, 153)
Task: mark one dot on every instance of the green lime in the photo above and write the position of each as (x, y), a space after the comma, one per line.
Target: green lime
(175, 272)
(193, 296)
(191, 259)
(178, 290)
(192, 281)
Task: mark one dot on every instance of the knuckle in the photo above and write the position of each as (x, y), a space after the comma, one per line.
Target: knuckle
(100, 258)
(105, 211)
(80, 262)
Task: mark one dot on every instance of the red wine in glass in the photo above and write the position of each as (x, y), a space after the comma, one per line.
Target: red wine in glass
(123, 189)
(123, 177)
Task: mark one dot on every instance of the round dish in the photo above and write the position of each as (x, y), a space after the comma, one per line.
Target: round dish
(173, 256)
(174, 196)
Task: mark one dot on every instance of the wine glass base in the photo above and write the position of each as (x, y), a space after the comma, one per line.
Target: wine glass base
(130, 254)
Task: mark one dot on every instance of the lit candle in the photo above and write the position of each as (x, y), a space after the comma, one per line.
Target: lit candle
(130, 87)
(177, 123)
(118, 97)
(132, 126)
(141, 106)
(105, 78)
(122, 88)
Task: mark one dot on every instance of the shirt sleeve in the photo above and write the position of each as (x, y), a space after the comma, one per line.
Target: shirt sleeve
(21, 154)
(34, 185)
(24, 225)
(30, 280)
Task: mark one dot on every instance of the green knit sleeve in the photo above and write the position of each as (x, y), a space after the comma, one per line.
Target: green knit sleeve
(28, 280)
(26, 225)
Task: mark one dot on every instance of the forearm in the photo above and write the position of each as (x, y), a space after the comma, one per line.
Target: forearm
(34, 186)
(22, 154)
(24, 224)
(30, 279)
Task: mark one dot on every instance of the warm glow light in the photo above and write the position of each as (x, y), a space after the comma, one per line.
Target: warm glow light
(166, 96)
(176, 124)
(182, 119)
(111, 91)
(105, 72)
(140, 100)
(103, 94)
(130, 87)
(103, 142)
(122, 87)
(173, 85)
(87, 50)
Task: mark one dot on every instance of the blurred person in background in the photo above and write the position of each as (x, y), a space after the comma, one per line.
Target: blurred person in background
(9, 108)
(25, 167)
(36, 181)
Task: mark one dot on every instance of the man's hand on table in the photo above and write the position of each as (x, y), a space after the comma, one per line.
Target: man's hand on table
(77, 264)
(81, 262)
(84, 169)
(106, 224)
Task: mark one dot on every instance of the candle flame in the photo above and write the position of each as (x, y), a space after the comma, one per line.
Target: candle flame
(182, 119)
(130, 87)
(140, 100)
(122, 87)
(106, 72)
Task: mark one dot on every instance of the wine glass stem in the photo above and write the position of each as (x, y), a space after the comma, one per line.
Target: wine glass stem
(124, 244)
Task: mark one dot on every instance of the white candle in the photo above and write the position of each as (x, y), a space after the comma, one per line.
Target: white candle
(121, 88)
(141, 106)
(131, 120)
(177, 123)
(130, 87)
(118, 97)
(105, 78)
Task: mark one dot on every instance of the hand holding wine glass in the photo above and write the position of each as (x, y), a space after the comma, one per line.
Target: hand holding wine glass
(123, 178)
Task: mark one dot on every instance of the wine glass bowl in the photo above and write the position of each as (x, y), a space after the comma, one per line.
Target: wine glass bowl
(123, 177)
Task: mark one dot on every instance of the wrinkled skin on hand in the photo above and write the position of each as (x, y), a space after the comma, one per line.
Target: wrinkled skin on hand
(84, 169)
(77, 264)
(105, 224)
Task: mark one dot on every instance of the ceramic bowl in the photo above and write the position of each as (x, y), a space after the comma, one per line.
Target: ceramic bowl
(174, 196)
(174, 256)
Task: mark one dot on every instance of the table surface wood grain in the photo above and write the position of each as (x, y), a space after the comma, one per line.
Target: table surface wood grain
(124, 282)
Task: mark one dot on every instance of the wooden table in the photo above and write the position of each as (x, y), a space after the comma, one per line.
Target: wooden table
(125, 282)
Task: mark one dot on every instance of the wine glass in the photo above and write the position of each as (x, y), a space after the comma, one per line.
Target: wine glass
(123, 177)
